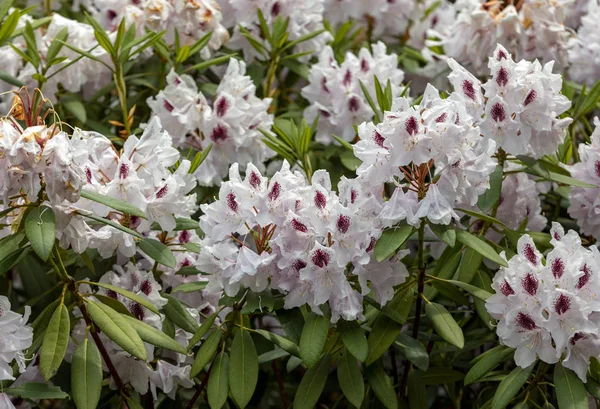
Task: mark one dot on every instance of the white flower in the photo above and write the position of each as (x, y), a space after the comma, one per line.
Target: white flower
(16, 336)
(335, 93)
(548, 308)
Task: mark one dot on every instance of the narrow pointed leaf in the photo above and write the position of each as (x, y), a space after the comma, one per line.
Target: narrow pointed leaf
(510, 386)
(206, 352)
(218, 383)
(354, 339)
(55, 342)
(312, 384)
(243, 368)
(153, 336)
(570, 391)
(383, 334)
(312, 341)
(117, 328)
(444, 324)
(382, 386)
(350, 379)
(86, 375)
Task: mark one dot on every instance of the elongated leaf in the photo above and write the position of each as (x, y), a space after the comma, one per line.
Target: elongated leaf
(490, 360)
(117, 328)
(390, 241)
(55, 342)
(127, 294)
(86, 375)
(441, 376)
(312, 384)
(509, 387)
(484, 217)
(470, 263)
(382, 386)
(206, 352)
(444, 324)
(158, 251)
(354, 339)
(383, 334)
(153, 336)
(312, 341)
(121, 206)
(413, 350)
(570, 392)
(350, 379)
(243, 368)
(40, 228)
(292, 322)
(483, 281)
(177, 313)
(417, 396)
(206, 325)
(218, 383)
(280, 341)
(474, 291)
(36, 390)
(445, 233)
(480, 246)
(490, 197)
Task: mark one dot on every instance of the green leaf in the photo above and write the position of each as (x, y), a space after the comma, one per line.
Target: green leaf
(206, 325)
(8, 26)
(568, 180)
(382, 386)
(117, 328)
(243, 374)
(489, 361)
(312, 384)
(483, 281)
(113, 203)
(191, 287)
(383, 334)
(55, 342)
(112, 224)
(444, 324)
(206, 352)
(312, 341)
(127, 294)
(470, 263)
(280, 341)
(490, 197)
(209, 63)
(40, 228)
(217, 388)
(417, 396)
(176, 312)
(509, 387)
(350, 379)
(57, 44)
(474, 291)
(589, 102)
(413, 350)
(354, 339)
(292, 322)
(75, 107)
(441, 376)
(199, 158)
(391, 240)
(86, 375)
(36, 390)
(570, 392)
(153, 336)
(480, 246)
(484, 217)
(445, 233)
(158, 252)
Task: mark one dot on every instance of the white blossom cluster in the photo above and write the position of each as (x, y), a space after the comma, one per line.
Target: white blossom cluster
(521, 107)
(584, 202)
(191, 19)
(584, 50)
(433, 152)
(305, 17)
(335, 94)
(547, 308)
(140, 175)
(299, 238)
(531, 29)
(36, 155)
(15, 337)
(231, 124)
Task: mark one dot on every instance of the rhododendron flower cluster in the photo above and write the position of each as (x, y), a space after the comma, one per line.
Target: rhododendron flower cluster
(191, 19)
(521, 107)
(301, 238)
(549, 307)
(529, 29)
(433, 152)
(335, 92)
(231, 124)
